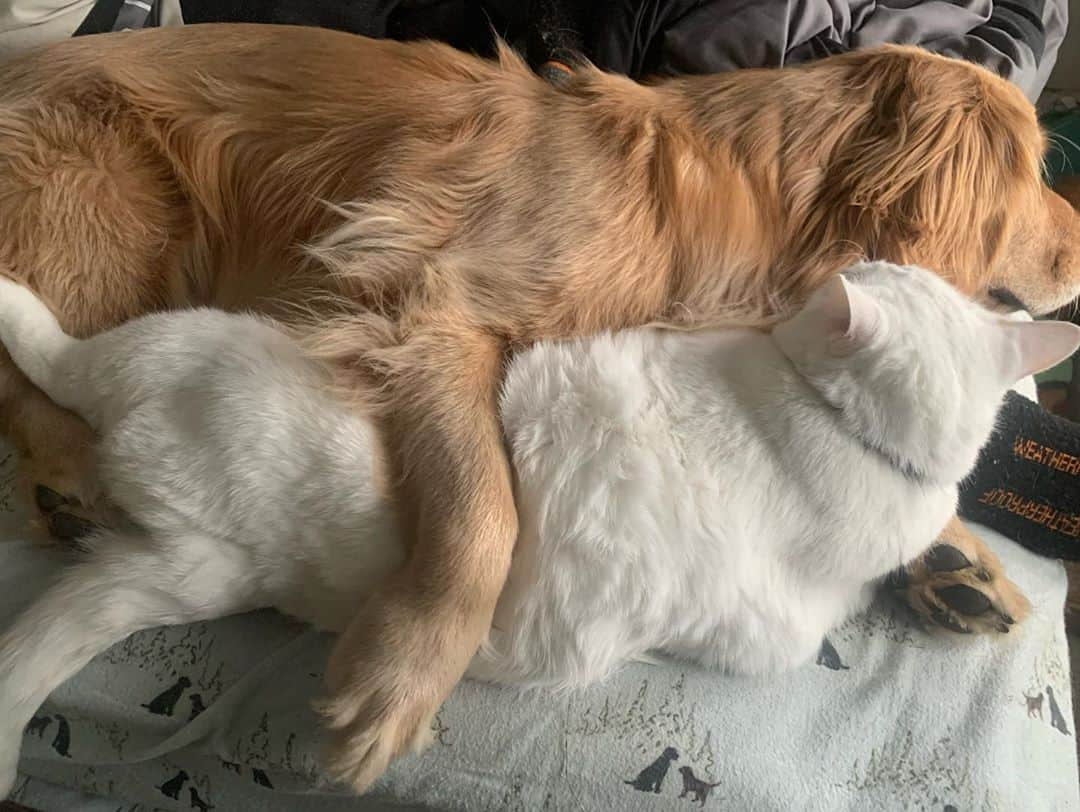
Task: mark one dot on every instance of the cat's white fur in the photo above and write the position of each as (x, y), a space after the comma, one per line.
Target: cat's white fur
(724, 496)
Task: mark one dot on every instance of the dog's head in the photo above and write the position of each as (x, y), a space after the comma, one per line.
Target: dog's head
(941, 167)
(671, 754)
(893, 153)
(686, 771)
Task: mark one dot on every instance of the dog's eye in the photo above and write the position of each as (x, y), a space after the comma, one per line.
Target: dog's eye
(1006, 299)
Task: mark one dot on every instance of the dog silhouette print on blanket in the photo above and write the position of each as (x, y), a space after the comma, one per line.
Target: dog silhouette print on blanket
(652, 777)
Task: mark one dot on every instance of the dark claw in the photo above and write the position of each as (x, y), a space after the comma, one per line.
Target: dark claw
(1003, 628)
(964, 599)
(984, 576)
(949, 622)
(48, 500)
(897, 579)
(945, 558)
(67, 527)
(1009, 619)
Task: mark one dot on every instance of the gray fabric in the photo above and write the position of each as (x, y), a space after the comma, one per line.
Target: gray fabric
(711, 37)
(134, 14)
(27, 24)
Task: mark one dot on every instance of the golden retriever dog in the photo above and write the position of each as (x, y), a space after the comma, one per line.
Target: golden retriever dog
(418, 213)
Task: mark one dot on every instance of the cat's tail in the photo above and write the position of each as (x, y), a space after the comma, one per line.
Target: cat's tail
(39, 347)
(124, 585)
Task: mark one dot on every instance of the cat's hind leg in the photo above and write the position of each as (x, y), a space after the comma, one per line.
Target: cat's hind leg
(126, 583)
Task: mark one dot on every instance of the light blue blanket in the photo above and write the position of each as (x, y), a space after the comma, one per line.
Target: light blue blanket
(888, 718)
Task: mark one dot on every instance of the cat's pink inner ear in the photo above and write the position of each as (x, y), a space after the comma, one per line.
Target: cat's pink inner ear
(851, 316)
(1039, 345)
(834, 303)
(865, 317)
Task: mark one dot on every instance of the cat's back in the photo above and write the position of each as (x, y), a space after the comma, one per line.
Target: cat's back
(229, 427)
(637, 461)
(623, 383)
(194, 356)
(687, 492)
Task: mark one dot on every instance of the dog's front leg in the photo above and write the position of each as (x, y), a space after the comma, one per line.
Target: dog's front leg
(57, 468)
(411, 643)
(960, 585)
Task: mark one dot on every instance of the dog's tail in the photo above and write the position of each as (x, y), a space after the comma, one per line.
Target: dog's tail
(39, 347)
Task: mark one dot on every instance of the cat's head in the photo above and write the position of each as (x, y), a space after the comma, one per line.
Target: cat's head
(915, 369)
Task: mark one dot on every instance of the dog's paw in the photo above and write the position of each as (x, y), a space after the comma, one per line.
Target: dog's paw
(370, 729)
(387, 678)
(960, 585)
(62, 518)
(63, 491)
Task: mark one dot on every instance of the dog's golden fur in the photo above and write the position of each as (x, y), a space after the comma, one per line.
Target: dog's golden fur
(475, 208)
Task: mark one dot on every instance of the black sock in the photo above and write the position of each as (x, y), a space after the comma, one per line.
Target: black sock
(1026, 484)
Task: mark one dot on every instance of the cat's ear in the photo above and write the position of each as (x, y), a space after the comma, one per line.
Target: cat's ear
(851, 318)
(1037, 346)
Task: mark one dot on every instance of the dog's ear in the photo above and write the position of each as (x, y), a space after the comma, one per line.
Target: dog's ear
(931, 172)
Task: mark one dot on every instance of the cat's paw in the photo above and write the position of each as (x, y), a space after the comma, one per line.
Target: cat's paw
(960, 585)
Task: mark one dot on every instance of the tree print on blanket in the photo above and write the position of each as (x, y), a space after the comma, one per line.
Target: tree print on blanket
(300, 762)
(515, 799)
(8, 483)
(652, 725)
(92, 784)
(440, 731)
(936, 775)
(113, 734)
(886, 619)
(174, 654)
(256, 751)
(658, 719)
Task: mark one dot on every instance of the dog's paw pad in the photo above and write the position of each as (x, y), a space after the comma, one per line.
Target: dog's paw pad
(960, 585)
(69, 527)
(945, 558)
(964, 599)
(48, 500)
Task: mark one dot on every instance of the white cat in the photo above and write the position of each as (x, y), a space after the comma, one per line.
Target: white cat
(724, 496)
